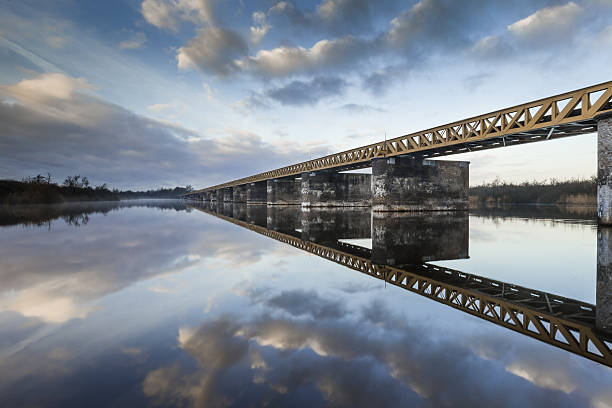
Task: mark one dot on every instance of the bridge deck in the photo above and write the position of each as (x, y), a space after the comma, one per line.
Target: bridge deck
(569, 114)
(562, 322)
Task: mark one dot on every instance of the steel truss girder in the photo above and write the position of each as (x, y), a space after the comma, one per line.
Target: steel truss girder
(562, 322)
(571, 113)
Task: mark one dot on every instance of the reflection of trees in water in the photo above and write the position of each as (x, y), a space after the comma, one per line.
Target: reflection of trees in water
(579, 214)
(75, 214)
(76, 219)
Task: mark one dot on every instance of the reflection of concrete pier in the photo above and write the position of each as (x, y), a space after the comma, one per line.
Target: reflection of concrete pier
(407, 238)
(603, 315)
(330, 225)
(396, 239)
(256, 215)
(285, 219)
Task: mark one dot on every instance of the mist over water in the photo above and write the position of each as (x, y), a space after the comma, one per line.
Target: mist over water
(167, 303)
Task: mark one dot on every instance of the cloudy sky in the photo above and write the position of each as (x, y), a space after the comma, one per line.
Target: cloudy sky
(143, 93)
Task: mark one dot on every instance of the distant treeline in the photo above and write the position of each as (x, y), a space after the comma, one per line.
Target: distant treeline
(41, 190)
(74, 213)
(175, 192)
(575, 192)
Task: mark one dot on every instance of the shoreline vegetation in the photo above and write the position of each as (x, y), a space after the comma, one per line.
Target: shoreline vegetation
(575, 192)
(41, 190)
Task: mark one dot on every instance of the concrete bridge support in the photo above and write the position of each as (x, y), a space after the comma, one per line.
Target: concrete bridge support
(240, 194)
(406, 184)
(212, 195)
(603, 295)
(286, 190)
(228, 194)
(604, 169)
(257, 193)
(402, 238)
(328, 188)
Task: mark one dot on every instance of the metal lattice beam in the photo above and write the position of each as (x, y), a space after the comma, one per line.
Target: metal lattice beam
(569, 114)
(562, 322)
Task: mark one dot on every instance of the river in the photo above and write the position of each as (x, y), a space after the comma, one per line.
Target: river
(167, 303)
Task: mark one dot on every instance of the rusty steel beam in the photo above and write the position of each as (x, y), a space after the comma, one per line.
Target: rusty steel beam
(572, 113)
(562, 322)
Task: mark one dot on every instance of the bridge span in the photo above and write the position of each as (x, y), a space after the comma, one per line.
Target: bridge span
(405, 179)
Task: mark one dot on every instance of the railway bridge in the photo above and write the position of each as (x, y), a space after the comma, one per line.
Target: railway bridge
(404, 176)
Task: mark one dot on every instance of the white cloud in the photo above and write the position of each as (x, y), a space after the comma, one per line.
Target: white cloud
(547, 22)
(258, 33)
(260, 28)
(491, 47)
(605, 36)
(160, 13)
(136, 41)
(55, 85)
(285, 60)
(210, 91)
(167, 14)
(213, 49)
(56, 41)
(543, 377)
(259, 17)
(158, 107)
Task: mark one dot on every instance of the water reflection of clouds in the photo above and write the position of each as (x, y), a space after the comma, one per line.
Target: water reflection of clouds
(319, 335)
(57, 275)
(368, 357)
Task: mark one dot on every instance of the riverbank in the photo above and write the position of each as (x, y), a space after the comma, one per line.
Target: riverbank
(14, 192)
(570, 192)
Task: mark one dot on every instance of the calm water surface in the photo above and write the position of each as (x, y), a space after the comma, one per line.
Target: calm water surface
(163, 304)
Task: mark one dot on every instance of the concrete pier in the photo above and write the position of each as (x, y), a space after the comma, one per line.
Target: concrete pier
(212, 195)
(240, 194)
(604, 169)
(402, 238)
(406, 184)
(284, 191)
(328, 188)
(603, 295)
(257, 193)
(228, 194)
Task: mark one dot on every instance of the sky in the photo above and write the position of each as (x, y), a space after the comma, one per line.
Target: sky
(150, 93)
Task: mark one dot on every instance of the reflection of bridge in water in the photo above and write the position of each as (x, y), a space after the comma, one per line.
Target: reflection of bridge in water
(400, 247)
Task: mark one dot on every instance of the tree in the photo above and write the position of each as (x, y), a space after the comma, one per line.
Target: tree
(74, 181)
